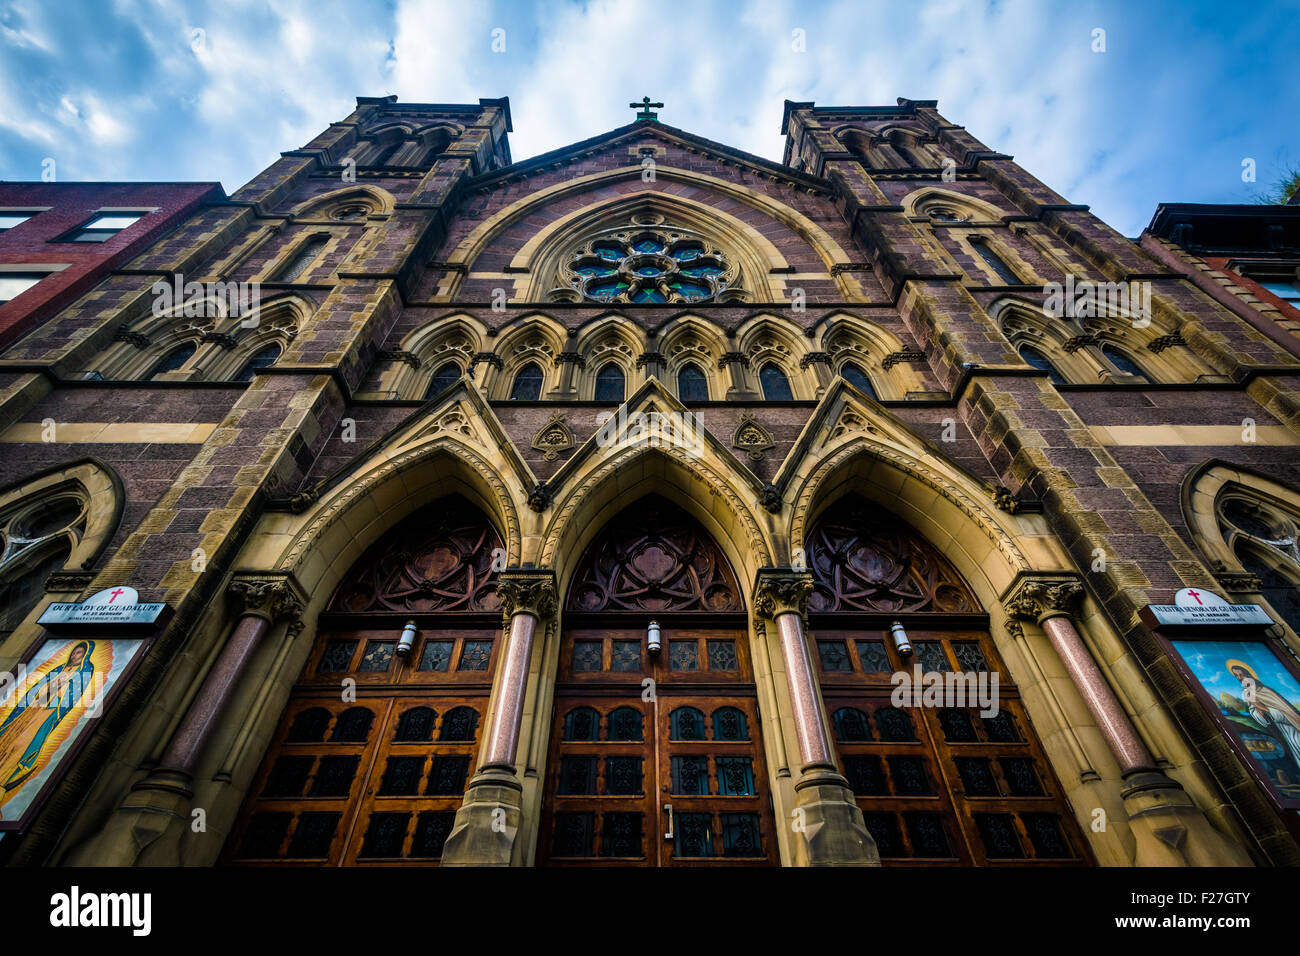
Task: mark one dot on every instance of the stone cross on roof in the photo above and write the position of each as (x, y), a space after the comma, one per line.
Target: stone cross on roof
(643, 109)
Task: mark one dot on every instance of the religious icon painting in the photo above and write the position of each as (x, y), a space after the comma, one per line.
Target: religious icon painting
(47, 708)
(1257, 699)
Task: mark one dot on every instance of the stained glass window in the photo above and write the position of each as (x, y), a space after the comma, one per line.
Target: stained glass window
(174, 359)
(647, 267)
(264, 358)
(722, 656)
(1038, 360)
(447, 374)
(776, 387)
(474, 656)
(996, 263)
(436, 656)
(1122, 361)
(692, 386)
(528, 384)
(609, 384)
(858, 379)
(683, 655)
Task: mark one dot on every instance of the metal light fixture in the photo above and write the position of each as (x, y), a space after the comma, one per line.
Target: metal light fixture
(407, 640)
(900, 638)
(652, 637)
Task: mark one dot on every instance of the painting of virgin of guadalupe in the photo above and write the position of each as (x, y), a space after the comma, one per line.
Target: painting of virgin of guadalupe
(44, 713)
(1259, 701)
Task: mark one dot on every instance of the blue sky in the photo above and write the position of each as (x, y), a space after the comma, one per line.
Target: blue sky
(169, 90)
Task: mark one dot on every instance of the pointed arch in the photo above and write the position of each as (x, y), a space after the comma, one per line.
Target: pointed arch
(934, 202)
(535, 339)
(412, 367)
(610, 340)
(222, 341)
(529, 257)
(348, 203)
(363, 504)
(60, 519)
(850, 340)
(1247, 524)
(692, 341)
(718, 500)
(769, 341)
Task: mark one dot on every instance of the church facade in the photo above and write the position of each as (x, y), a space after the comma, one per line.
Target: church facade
(648, 502)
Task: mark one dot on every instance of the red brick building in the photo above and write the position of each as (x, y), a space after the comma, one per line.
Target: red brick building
(57, 240)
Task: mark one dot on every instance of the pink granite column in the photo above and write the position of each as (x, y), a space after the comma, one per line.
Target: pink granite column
(814, 747)
(1115, 725)
(261, 602)
(503, 739)
(1049, 602)
(527, 596)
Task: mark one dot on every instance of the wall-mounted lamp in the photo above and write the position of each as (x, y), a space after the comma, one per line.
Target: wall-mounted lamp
(407, 640)
(900, 638)
(652, 641)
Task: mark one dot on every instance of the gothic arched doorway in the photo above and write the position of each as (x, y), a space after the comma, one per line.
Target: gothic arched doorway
(937, 784)
(655, 758)
(370, 760)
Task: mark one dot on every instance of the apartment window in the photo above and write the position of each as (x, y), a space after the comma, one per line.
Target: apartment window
(1288, 291)
(14, 217)
(14, 284)
(103, 226)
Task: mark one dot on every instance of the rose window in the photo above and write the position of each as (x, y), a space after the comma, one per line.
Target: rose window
(649, 266)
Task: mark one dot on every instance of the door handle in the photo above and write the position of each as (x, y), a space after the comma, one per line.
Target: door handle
(669, 808)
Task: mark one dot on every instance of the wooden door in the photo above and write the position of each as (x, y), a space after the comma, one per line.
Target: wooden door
(370, 760)
(939, 781)
(373, 776)
(942, 785)
(656, 760)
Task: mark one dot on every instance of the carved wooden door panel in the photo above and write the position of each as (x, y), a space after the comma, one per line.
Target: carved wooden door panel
(942, 785)
(370, 760)
(940, 780)
(376, 777)
(656, 760)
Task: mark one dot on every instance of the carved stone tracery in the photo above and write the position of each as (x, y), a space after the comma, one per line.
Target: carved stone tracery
(654, 557)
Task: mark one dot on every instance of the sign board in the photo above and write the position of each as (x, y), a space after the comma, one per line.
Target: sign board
(112, 609)
(1208, 615)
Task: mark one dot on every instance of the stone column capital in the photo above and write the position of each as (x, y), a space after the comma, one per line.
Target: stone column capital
(782, 591)
(528, 591)
(1036, 596)
(269, 595)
